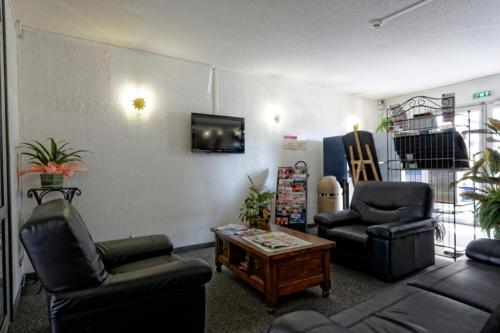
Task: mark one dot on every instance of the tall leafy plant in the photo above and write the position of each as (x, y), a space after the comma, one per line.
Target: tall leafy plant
(256, 204)
(486, 172)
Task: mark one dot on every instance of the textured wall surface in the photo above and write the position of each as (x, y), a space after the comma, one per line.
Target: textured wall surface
(14, 140)
(142, 175)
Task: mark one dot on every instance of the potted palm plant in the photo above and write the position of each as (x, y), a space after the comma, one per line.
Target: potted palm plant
(485, 172)
(255, 210)
(52, 162)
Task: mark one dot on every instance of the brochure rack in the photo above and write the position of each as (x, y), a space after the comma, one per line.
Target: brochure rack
(291, 197)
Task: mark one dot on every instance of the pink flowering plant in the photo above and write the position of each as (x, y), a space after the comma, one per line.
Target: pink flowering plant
(58, 158)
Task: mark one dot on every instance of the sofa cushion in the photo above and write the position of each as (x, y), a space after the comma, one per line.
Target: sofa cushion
(356, 313)
(467, 281)
(354, 235)
(123, 251)
(406, 309)
(61, 249)
(146, 263)
(385, 202)
(486, 250)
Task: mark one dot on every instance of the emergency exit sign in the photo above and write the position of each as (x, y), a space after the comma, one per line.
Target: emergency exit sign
(482, 94)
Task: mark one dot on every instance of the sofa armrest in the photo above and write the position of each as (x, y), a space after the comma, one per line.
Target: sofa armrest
(400, 229)
(305, 322)
(341, 218)
(135, 285)
(122, 251)
(486, 250)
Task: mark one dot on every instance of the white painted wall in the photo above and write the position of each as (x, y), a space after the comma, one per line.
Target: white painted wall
(14, 140)
(142, 175)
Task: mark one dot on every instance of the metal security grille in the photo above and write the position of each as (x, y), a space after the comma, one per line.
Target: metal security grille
(425, 144)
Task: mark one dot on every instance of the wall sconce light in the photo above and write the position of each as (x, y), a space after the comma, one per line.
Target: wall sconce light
(137, 100)
(139, 104)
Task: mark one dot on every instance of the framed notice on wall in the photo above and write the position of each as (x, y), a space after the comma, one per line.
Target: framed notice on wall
(291, 200)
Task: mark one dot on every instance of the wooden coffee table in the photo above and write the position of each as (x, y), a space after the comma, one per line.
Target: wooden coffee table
(276, 273)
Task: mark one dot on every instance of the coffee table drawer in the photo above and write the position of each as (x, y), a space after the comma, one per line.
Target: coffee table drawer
(299, 269)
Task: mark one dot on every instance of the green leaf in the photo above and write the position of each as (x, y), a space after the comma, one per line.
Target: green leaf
(473, 196)
(44, 150)
(53, 149)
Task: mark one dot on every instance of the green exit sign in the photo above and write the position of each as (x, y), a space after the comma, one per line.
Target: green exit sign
(482, 94)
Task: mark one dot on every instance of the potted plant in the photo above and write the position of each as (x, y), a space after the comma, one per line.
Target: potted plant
(53, 162)
(386, 124)
(486, 173)
(255, 210)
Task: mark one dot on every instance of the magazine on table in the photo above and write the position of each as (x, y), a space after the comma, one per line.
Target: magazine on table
(233, 227)
(274, 241)
(250, 232)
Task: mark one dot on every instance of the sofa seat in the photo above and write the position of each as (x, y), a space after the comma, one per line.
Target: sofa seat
(153, 283)
(411, 310)
(353, 240)
(354, 236)
(467, 281)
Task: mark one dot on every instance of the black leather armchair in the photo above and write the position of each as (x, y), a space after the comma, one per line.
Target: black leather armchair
(129, 285)
(388, 229)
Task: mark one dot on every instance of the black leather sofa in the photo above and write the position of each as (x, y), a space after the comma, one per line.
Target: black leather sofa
(462, 297)
(388, 230)
(128, 285)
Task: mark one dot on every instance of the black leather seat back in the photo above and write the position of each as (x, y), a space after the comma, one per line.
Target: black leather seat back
(384, 202)
(61, 249)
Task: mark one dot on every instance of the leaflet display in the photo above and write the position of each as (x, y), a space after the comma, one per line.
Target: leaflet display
(291, 202)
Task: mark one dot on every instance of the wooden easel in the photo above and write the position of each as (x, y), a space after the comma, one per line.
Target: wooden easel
(359, 166)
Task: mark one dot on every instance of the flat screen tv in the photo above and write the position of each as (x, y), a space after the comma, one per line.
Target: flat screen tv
(217, 134)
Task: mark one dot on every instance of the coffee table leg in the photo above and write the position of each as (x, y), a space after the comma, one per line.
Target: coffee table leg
(271, 302)
(326, 284)
(218, 250)
(270, 287)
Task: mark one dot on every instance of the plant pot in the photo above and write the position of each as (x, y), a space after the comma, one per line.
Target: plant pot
(259, 223)
(51, 180)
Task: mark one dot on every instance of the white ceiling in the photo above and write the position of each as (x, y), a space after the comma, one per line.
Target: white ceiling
(326, 43)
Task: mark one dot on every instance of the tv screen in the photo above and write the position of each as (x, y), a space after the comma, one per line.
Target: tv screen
(214, 133)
